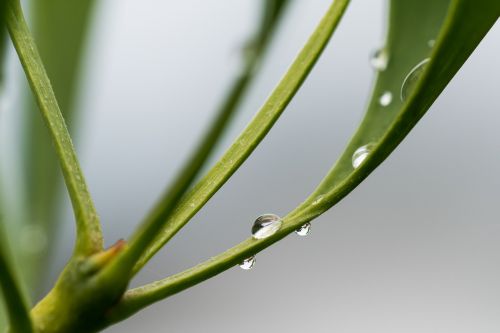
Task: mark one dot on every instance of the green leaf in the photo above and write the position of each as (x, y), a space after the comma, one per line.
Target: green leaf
(412, 24)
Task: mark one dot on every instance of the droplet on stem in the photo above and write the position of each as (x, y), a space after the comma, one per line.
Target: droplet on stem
(379, 60)
(266, 225)
(412, 78)
(247, 263)
(361, 154)
(304, 229)
(385, 99)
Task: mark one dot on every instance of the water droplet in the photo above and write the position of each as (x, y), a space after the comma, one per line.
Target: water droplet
(385, 99)
(412, 78)
(431, 42)
(266, 225)
(248, 263)
(379, 60)
(33, 239)
(361, 154)
(304, 229)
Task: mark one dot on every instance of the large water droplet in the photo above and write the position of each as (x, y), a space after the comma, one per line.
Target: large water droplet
(379, 60)
(412, 78)
(361, 154)
(304, 229)
(385, 99)
(248, 263)
(266, 225)
(33, 239)
(431, 42)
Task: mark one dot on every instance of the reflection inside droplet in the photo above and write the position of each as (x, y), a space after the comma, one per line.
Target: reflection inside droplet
(266, 225)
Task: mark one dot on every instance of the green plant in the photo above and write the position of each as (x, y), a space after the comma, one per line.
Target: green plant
(91, 292)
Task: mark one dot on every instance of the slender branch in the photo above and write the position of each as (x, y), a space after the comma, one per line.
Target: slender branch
(17, 309)
(89, 237)
(255, 132)
(449, 55)
(163, 209)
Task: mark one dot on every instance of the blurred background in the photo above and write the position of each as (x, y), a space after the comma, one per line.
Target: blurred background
(414, 248)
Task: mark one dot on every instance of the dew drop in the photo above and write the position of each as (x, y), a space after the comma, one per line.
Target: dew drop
(266, 225)
(412, 78)
(431, 42)
(304, 229)
(248, 263)
(33, 239)
(361, 154)
(379, 60)
(385, 99)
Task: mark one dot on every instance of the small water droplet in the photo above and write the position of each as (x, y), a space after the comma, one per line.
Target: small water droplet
(304, 229)
(412, 78)
(33, 239)
(361, 154)
(385, 99)
(248, 263)
(379, 60)
(266, 225)
(431, 42)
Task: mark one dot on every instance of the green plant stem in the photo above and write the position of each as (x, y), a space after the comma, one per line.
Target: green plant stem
(17, 310)
(447, 59)
(89, 237)
(254, 133)
(163, 209)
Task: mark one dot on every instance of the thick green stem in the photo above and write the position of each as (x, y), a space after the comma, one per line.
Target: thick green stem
(89, 238)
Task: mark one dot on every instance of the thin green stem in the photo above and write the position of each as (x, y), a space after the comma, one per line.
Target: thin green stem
(164, 208)
(89, 237)
(448, 58)
(17, 309)
(254, 133)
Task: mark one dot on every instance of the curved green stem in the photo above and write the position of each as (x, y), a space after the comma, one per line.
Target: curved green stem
(89, 237)
(447, 59)
(163, 209)
(248, 140)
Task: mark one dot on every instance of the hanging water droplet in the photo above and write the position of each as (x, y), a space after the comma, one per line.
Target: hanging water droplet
(385, 99)
(266, 225)
(33, 239)
(431, 42)
(412, 78)
(304, 229)
(361, 154)
(248, 263)
(379, 60)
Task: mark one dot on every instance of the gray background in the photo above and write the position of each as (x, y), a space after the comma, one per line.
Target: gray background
(414, 249)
